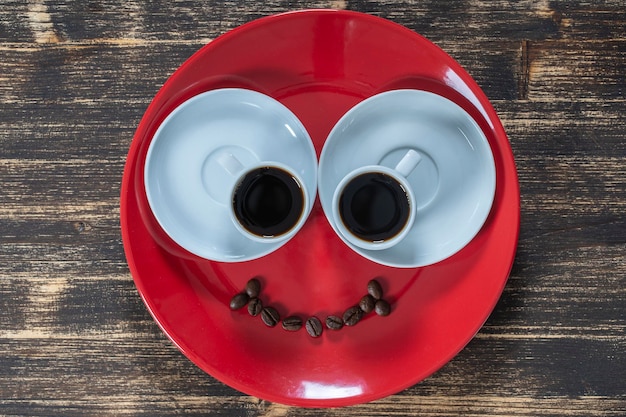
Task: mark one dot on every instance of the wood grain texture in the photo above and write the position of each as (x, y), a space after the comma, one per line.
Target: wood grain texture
(75, 79)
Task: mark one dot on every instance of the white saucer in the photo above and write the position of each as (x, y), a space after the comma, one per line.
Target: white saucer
(454, 184)
(184, 183)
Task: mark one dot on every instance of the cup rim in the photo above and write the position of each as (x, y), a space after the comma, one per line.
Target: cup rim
(293, 229)
(345, 233)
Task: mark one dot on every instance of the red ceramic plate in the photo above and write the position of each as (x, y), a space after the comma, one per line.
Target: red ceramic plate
(320, 64)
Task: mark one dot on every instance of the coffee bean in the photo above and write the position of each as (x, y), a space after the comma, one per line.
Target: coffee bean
(253, 288)
(314, 327)
(255, 306)
(382, 308)
(334, 322)
(270, 316)
(352, 316)
(367, 303)
(238, 301)
(292, 323)
(374, 289)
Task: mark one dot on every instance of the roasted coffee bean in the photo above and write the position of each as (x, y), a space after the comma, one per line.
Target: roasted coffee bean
(352, 316)
(334, 322)
(253, 288)
(382, 308)
(292, 323)
(255, 306)
(270, 316)
(314, 327)
(367, 303)
(374, 289)
(238, 301)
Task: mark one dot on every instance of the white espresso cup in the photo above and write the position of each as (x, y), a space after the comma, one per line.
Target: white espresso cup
(267, 200)
(374, 206)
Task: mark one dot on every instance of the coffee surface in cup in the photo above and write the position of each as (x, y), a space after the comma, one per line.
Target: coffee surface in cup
(268, 201)
(374, 207)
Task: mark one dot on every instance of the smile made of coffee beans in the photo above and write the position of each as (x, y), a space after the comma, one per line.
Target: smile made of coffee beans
(372, 301)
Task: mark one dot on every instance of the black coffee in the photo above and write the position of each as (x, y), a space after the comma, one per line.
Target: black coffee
(374, 207)
(268, 201)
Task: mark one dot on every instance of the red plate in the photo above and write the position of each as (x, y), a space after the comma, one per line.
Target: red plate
(320, 64)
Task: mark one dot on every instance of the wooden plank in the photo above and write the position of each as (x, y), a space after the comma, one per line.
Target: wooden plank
(557, 154)
(546, 288)
(520, 20)
(65, 305)
(156, 373)
(143, 404)
(127, 77)
(551, 70)
(43, 22)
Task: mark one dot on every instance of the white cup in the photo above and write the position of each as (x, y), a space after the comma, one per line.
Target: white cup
(373, 206)
(268, 201)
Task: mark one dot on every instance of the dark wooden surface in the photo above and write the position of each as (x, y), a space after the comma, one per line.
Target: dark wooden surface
(75, 79)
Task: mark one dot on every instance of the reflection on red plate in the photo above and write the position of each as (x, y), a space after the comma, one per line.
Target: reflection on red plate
(320, 64)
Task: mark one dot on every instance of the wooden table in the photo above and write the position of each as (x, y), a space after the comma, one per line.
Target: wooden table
(75, 79)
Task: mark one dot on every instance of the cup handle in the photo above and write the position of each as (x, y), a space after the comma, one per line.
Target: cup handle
(408, 163)
(230, 163)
